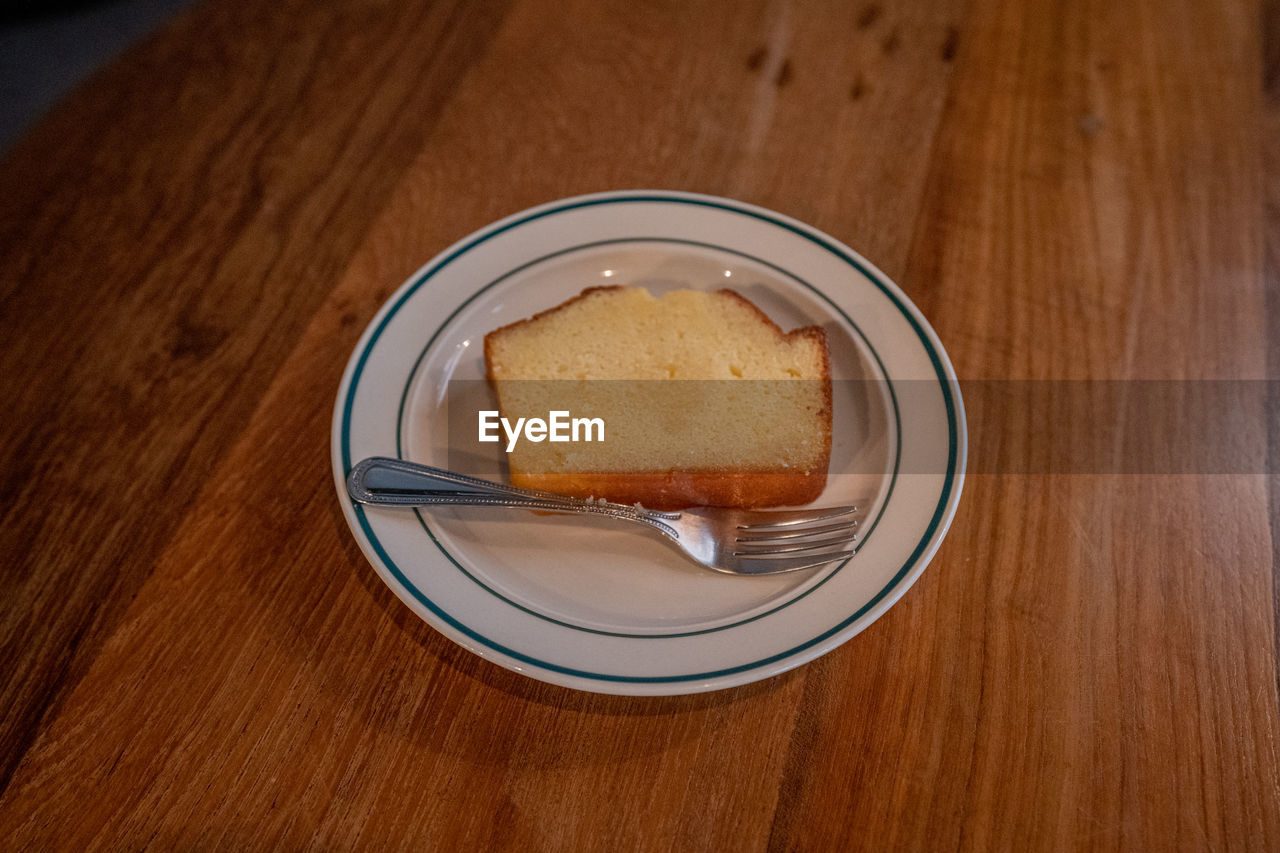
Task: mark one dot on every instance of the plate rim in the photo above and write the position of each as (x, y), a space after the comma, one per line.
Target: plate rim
(798, 654)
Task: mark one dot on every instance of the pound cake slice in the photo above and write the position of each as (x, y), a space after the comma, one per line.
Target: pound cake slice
(703, 400)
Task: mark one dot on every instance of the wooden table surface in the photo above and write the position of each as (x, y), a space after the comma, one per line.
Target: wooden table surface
(193, 657)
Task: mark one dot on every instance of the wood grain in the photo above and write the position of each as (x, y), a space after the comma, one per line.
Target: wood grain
(193, 242)
(165, 240)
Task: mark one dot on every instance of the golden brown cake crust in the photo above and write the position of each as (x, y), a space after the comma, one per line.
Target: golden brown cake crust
(682, 489)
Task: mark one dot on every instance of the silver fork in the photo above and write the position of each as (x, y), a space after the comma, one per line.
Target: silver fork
(736, 541)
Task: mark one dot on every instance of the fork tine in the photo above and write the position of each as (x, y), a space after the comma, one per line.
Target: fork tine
(795, 533)
(782, 519)
(763, 566)
(782, 556)
(760, 549)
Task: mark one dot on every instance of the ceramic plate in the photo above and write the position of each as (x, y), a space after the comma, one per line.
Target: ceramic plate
(595, 605)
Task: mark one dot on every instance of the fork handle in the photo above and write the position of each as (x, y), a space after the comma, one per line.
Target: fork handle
(383, 481)
(429, 498)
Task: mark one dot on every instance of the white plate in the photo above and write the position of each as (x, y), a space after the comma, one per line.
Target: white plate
(587, 603)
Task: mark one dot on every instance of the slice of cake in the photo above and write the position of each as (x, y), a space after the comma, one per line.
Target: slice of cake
(701, 400)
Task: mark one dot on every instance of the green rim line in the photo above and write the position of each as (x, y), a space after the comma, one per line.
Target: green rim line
(948, 393)
(866, 537)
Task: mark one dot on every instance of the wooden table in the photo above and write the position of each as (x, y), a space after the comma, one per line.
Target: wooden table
(195, 657)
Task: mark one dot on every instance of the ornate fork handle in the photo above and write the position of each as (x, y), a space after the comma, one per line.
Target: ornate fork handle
(382, 481)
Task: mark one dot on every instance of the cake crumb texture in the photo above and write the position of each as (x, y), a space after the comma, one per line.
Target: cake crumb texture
(706, 401)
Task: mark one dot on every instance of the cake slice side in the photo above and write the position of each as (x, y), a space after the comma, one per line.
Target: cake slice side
(756, 432)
